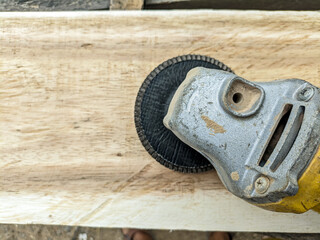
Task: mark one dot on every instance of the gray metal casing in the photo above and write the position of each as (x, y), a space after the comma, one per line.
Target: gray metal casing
(235, 143)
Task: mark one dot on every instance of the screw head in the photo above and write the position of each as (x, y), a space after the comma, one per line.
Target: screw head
(262, 184)
(306, 94)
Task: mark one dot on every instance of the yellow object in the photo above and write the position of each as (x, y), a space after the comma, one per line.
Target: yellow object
(308, 196)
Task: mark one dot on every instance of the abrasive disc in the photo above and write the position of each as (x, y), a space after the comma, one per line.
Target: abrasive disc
(152, 105)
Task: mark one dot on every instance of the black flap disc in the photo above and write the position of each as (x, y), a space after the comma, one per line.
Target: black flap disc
(152, 104)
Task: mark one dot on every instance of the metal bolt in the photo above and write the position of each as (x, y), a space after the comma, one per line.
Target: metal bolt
(306, 94)
(262, 184)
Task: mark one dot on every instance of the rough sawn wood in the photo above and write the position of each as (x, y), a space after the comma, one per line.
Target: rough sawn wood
(68, 148)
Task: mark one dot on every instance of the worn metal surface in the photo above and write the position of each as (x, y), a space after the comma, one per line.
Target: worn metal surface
(255, 160)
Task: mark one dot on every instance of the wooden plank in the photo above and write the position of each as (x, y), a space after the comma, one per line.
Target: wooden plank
(68, 148)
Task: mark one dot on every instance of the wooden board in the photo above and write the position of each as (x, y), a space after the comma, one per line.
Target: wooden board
(68, 148)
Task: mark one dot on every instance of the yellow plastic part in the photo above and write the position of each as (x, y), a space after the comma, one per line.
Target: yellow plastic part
(317, 208)
(308, 196)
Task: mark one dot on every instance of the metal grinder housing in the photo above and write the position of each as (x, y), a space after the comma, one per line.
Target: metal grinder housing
(192, 112)
(260, 137)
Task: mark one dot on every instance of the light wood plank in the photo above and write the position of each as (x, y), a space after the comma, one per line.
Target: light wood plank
(68, 148)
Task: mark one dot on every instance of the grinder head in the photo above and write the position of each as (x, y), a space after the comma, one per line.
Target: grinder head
(152, 104)
(193, 113)
(260, 137)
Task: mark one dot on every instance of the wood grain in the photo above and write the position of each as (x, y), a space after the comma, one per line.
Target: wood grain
(68, 147)
(126, 4)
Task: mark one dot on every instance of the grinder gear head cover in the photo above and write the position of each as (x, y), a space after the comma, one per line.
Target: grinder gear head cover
(262, 137)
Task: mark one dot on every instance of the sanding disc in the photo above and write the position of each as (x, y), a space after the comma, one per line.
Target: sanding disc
(152, 104)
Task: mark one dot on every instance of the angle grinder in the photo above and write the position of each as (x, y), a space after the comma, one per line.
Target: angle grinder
(193, 114)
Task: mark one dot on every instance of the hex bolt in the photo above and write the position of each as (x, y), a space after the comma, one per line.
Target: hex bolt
(306, 94)
(262, 184)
